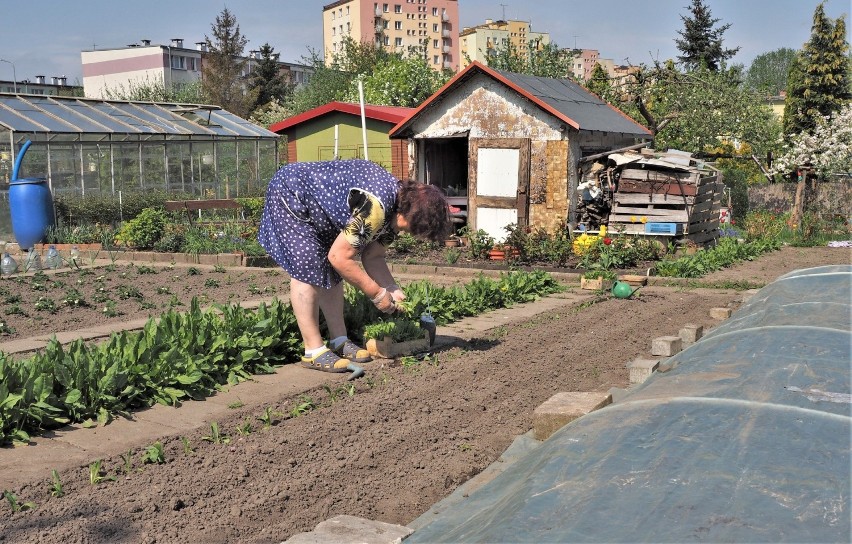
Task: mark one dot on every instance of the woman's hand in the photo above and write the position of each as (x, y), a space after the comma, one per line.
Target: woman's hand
(384, 301)
(397, 293)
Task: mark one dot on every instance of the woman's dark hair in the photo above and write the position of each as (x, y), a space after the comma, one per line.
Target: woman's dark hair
(425, 208)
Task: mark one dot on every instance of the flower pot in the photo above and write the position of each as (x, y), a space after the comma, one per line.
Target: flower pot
(496, 254)
(634, 279)
(596, 284)
(386, 348)
(451, 242)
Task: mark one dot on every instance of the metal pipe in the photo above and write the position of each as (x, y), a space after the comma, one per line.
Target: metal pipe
(14, 75)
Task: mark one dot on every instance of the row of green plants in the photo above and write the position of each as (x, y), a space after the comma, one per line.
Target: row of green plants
(444, 304)
(189, 355)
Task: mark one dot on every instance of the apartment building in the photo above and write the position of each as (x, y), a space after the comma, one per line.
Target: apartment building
(429, 26)
(145, 63)
(477, 42)
(55, 86)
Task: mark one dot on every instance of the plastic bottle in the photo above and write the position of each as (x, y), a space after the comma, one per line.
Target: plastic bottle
(75, 257)
(53, 260)
(8, 266)
(33, 261)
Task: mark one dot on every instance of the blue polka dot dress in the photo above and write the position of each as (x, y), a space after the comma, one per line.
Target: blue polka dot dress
(309, 204)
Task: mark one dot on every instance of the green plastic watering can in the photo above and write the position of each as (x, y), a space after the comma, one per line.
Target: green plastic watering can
(622, 289)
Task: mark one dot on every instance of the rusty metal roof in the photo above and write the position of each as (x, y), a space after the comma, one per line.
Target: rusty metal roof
(562, 98)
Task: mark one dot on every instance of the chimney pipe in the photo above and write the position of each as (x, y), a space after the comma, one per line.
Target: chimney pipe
(145, 43)
(177, 42)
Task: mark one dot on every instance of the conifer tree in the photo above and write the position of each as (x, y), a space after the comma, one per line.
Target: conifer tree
(701, 44)
(818, 83)
(223, 66)
(267, 82)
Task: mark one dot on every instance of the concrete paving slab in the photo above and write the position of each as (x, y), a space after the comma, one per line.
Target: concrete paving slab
(27, 463)
(352, 530)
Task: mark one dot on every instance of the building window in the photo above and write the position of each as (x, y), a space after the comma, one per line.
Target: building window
(387, 40)
(397, 8)
(435, 59)
(347, 10)
(397, 42)
(385, 8)
(191, 64)
(434, 28)
(334, 31)
(435, 44)
(333, 15)
(348, 27)
(178, 62)
(397, 25)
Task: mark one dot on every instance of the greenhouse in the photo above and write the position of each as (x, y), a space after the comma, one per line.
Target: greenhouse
(86, 146)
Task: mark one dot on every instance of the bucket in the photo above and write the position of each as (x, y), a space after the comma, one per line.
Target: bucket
(31, 210)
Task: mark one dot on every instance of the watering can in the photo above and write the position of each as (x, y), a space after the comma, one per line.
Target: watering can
(622, 289)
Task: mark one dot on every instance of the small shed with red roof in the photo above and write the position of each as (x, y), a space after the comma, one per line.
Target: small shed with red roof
(315, 134)
(507, 147)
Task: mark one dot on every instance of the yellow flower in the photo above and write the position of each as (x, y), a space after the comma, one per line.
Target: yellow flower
(644, 219)
(632, 218)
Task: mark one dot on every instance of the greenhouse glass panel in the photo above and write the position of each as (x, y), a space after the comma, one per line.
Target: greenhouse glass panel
(96, 171)
(126, 165)
(21, 124)
(80, 123)
(45, 121)
(179, 157)
(64, 168)
(135, 124)
(153, 166)
(111, 124)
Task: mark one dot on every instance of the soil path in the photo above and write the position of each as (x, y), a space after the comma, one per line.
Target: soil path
(405, 438)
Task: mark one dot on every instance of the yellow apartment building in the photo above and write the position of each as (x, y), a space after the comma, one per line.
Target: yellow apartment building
(476, 42)
(431, 26)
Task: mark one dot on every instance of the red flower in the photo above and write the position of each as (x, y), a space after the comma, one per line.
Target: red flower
(607, 241)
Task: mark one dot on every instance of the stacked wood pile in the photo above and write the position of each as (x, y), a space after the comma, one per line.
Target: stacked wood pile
(666, 194)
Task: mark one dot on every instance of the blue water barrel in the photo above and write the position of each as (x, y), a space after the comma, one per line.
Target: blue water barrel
(31, 209)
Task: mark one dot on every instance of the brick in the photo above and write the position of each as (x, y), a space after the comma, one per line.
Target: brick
(641, 369)
(720, 313)
(691, 333)
(563, 408)
(666, 346)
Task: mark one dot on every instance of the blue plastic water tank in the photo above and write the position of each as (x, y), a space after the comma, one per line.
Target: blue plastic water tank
(31, 209)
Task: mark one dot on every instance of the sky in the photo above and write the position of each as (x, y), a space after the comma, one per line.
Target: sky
(45, 37)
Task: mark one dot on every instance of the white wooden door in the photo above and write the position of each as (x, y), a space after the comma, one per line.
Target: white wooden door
(499, 184)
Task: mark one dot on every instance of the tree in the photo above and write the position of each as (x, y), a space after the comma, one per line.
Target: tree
(599, 83)
(266, 82)
(827, 150)
(148, 90)
(695, 111)
(222, 71)
(399, 81)
(768, 72)
(701, 44)
(548, 60)
(818, 83)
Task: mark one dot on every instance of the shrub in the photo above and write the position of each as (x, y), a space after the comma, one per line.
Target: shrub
(144, 230)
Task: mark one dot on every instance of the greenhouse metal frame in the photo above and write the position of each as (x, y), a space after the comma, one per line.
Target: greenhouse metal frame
(89, 146)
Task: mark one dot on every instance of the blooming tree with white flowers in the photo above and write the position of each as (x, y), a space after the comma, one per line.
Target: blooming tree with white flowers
(827, 151)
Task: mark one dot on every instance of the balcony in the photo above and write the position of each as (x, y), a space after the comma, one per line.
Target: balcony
(447, 49)
(446, 33)
(444, 16)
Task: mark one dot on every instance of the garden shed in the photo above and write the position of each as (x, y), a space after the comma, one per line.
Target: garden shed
(334, 130)
(87, 146)
(506, 147)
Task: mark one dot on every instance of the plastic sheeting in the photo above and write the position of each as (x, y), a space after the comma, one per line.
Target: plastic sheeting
(745, 438)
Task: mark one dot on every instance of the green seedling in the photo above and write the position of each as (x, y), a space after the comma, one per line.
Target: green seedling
(15, 505)
(219, 269)
(163, 291)
(96, 474)
(215, 436)
(269, 417)
(154, 454)
(245, 429)
(128, 461)
(211, 283)
(237, 404)
(14, 309)
(56, 486)
(192, 271)
(303, 406)
(6, 329)
(110, 309)
(187, 448)
(145, 270)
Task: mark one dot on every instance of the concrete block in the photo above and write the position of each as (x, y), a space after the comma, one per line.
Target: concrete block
(720, 313)
(691, 333)
(666, 346)
(563, 408)
(617, 394)
(641, 369)
(352, 529)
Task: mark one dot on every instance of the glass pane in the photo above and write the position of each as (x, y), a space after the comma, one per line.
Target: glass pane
(226, 155)
(153, 166)
(126, 165)
(83, 124)
(64, 169)
(97, 177)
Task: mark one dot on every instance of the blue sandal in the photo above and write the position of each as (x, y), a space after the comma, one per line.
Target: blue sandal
(350, 350)
(328, 361)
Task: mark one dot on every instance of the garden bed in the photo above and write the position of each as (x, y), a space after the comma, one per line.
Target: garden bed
(405, 438)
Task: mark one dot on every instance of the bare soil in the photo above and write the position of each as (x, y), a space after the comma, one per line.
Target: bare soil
(405, 439)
